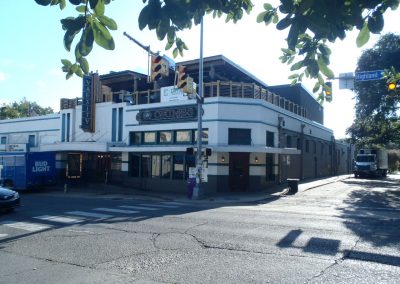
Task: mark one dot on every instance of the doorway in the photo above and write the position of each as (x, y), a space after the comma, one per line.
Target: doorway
(238, 171)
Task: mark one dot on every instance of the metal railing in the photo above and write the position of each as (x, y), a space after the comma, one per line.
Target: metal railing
(211, 89)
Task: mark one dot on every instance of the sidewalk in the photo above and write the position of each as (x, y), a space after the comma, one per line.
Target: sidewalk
(117, 192)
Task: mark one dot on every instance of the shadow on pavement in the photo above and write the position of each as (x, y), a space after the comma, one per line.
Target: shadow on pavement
(373, 211)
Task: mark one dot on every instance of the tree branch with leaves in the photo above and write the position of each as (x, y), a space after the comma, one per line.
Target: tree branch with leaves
(311, 25)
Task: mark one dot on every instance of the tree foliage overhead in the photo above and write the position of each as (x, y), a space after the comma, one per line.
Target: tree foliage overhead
(310, 24)
(23, 108)
(377, 109)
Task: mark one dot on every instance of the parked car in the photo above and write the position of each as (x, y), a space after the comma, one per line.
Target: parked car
(9, 199)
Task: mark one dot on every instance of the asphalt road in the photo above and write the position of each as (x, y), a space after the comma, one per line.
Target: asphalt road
(343, 232)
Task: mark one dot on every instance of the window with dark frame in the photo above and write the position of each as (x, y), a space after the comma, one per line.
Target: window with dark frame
(183, 136)
(150, 137)
(166, 166)
(165, 137)
(270, 139)
(239, 136)
(289, 141)
(298, 144)
(135, 138)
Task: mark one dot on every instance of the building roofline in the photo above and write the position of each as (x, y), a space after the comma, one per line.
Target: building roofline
(230, 62)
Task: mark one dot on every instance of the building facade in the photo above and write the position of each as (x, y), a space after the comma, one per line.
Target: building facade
(127, 131)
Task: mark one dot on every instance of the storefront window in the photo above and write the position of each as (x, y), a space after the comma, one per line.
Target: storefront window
(155, 166)
(146, 165)
(74, 166)
(116, 162)
(178, 169)
(183, 136)
(149, 137)
(166, 166)
(165, 137)
(135, 165)
(135, 138)
(204, 136)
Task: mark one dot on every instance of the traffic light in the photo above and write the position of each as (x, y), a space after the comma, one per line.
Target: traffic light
(328, 91)
(181, 80)
(159, 68)
(392, 86)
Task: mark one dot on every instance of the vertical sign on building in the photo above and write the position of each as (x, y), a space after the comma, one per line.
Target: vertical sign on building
(90, 89)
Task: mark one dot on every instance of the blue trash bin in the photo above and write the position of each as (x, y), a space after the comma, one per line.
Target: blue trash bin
(191, 182)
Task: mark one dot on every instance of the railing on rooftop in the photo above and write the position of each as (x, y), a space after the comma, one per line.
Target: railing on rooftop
(211, 89)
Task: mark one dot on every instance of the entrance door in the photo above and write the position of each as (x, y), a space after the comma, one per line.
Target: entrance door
(238, 171)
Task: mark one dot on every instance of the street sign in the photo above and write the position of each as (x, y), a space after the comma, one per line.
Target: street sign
(346, 81)
(369, 75)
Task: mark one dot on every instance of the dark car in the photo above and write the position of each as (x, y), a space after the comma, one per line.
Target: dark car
(9, 199)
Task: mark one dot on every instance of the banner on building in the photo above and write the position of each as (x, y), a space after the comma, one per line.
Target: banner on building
(171, 94)
(90, 90)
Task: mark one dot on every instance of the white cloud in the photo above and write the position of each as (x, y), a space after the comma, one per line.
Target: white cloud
(2, 76)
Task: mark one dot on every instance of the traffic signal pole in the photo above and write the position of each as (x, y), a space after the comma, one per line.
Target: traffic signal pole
(197, 190)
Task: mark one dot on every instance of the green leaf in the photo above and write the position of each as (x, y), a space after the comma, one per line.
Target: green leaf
(293, 36)
(375, 22)
(169, 45)
(100, 7)
(66, 63)
(108, 22)
(324, 49)
(324, 68)
(79, 72)
(284, 23)
(144, 17)
(268, 6)
(81, 9)
(86, 42)
(102, 36)
(363, 36)
(162, 29)
(316, 87)
(62, 4)
(93, 3)
(293, 76)
(43, 2)
(171, 35)
(175, 52)
(313, 68)
(297, 66)
(68, 38)
(73, 24)
(260, 17)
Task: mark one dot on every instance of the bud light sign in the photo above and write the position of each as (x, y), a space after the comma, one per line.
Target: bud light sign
(40, 166)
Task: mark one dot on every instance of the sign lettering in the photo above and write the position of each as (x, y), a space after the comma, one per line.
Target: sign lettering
(170, 114)
(40, 167)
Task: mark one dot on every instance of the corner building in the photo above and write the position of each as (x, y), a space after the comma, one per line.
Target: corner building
(129, 132)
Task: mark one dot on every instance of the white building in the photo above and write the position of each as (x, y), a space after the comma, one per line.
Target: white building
(127, 131)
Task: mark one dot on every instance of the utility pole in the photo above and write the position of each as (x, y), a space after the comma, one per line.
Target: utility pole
(197, 191)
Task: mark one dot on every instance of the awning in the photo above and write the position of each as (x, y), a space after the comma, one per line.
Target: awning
(255, 149)
(227, 148)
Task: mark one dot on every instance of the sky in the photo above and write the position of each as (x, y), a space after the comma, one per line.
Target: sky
(31, 50)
